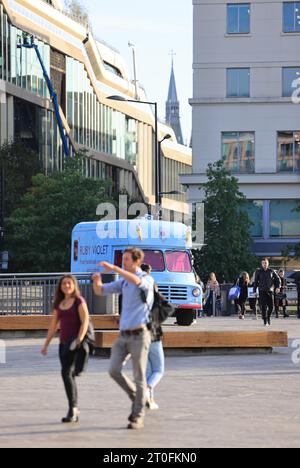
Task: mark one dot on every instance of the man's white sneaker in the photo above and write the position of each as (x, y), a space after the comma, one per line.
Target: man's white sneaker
(153, 406)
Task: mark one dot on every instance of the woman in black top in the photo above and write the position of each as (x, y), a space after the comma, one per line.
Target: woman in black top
(280, 298)
(240, 303)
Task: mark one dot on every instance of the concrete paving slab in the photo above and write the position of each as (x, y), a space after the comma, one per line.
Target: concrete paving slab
(205, 401)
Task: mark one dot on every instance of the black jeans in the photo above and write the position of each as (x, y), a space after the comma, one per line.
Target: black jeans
(67, 359)
(266, 304)
(240, 306)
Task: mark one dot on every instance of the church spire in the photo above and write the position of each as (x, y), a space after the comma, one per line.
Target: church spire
(173, 106)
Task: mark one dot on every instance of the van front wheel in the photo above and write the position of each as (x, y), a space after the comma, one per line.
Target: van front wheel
(185, 317)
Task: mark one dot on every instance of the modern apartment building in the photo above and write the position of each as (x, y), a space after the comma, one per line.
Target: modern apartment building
(119, 136)
(246, 67)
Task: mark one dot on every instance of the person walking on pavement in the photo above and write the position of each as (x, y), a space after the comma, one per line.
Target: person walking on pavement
(212, 292)
(266, 280)
(71, 313)
(280, 300)
(253, 298)
(298, 294)
(240, 303)
(156, 358)
(134, 338)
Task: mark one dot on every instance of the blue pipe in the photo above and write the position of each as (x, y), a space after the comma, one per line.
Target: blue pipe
(53, 96)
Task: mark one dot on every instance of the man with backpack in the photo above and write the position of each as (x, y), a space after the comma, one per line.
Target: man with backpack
(266, 280)
(134, 338)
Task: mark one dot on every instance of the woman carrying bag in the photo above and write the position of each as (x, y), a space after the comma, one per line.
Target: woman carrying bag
(240, 303)
(70, 312)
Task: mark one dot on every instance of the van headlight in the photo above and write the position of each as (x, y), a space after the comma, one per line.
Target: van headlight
(196, 292)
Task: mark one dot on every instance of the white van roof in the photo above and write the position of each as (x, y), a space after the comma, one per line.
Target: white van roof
(138, 232)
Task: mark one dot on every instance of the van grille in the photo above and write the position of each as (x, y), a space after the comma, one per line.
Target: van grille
(174, 293)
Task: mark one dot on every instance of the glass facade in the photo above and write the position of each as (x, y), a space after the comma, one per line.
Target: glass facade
(169, 183)
(288, 151)
(238, 18)
(291, 17)
(274, 219)
(289, 75)
(95, 125)
(20, 66)
(238, 149)
(255, 212)
(238, 82)
(284, 220)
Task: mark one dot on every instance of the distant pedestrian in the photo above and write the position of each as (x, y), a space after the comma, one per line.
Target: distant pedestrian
(243, 282)
(266, 280)
(212, 294)
(296, 277)
(199, 314)
(156, 358)
(280, 299)
(70, 312)
(253, 300)
(134, 338)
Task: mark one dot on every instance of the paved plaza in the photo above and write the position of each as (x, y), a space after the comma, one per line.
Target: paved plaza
(205, 401)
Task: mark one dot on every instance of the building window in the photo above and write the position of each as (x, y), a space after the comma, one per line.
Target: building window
(291, 17)
(288, 151)
(238, 18)
(238, 82)
(284, 219)
(254, 210)
(238, 151)
(289, 75)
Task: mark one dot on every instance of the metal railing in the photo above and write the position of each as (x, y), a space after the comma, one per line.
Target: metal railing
(33, 294)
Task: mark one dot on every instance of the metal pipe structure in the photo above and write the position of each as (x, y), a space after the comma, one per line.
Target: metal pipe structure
(28, 43)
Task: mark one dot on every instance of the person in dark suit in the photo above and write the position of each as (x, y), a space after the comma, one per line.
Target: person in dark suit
(266, 280)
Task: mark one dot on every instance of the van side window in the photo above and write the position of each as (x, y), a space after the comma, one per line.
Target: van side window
(118, 260)
(75, 251)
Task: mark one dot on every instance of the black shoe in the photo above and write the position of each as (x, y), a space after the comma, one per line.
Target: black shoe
(72, 416)
(131, 418)
(136, 424)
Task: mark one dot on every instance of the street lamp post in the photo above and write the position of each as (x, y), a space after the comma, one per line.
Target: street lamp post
(160, 193)
(156, 144)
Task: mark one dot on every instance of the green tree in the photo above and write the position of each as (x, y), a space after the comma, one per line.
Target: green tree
(77, 10)
(39, 231)
(227, 250)
(19, 164)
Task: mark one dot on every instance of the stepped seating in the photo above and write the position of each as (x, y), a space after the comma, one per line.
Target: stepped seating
(175, 338)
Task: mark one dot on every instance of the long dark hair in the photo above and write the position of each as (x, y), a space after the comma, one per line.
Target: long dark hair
(59, 295)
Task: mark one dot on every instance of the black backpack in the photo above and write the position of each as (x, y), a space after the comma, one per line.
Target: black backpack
(161, 309)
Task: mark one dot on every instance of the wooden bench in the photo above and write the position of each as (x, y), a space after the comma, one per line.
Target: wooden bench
(42, 322)
(106, 327)
(201, 340)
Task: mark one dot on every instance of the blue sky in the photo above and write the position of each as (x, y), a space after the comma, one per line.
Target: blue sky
(155, 27)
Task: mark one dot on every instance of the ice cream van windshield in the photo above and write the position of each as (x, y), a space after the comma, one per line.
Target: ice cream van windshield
(173, 261)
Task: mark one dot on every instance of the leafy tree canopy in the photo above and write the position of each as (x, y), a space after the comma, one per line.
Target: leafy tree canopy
(227, 250)
(39, 230)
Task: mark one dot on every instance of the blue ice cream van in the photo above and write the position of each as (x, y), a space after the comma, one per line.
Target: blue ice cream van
(167, 249)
